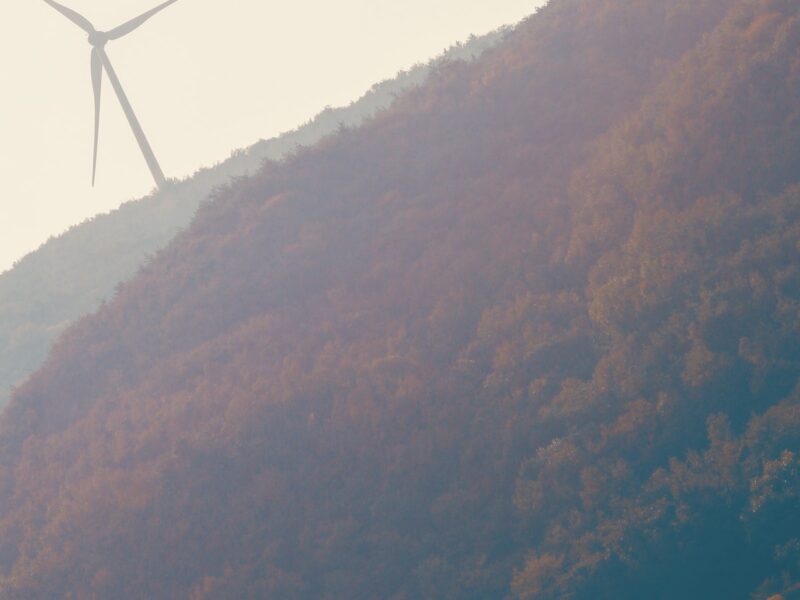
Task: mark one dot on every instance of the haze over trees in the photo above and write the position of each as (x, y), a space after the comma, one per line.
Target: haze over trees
(530, 333)
(73, 273)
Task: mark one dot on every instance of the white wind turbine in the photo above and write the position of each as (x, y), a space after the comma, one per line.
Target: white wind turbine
(100, 61)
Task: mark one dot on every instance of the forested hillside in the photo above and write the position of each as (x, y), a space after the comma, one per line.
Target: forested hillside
(531, 333)
(72, 274)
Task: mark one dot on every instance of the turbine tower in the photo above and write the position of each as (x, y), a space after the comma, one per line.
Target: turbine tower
(100, 61)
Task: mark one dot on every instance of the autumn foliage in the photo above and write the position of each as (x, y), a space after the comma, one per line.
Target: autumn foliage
(531, 333)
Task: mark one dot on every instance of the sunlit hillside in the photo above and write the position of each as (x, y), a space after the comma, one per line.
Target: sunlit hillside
(73, 273)
(531, 333)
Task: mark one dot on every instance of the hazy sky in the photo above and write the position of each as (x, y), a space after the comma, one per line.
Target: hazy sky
(204, 77)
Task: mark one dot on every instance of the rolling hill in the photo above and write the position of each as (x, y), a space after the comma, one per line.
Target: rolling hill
(530, 333)
(74, 273)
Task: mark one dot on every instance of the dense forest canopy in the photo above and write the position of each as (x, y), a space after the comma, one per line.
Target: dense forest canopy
(531, 333)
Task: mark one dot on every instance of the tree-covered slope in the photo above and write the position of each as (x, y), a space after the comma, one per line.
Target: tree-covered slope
(71, 274)
(532, 333)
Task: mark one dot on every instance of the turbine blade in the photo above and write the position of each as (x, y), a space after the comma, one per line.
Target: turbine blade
(141, 139)
(97, 82)
(79, 20)
(126, 28)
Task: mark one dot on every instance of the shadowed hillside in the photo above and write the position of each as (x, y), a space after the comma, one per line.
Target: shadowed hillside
(72, 274)
(531, 333)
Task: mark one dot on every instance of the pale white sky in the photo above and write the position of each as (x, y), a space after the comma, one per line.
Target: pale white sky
(204, 77)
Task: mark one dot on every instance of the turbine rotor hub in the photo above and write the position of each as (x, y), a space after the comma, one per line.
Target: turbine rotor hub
(98, 39)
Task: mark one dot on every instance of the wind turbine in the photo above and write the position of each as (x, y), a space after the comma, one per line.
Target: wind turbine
(100, 61)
